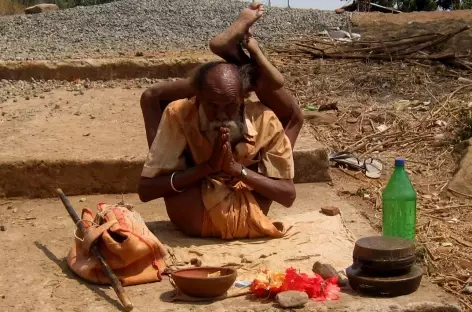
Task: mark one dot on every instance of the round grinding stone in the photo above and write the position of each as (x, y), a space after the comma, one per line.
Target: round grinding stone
(393, 286)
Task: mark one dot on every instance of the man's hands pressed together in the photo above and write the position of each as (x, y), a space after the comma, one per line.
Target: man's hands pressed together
(222, 155)
(218, 154)
(222, 160)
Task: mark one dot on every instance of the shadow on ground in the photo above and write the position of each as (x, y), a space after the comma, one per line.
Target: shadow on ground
(62, 263)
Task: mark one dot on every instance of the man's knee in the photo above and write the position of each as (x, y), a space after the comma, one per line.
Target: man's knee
(150, 97)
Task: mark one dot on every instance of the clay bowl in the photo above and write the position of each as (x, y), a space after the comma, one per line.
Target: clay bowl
(195, 282)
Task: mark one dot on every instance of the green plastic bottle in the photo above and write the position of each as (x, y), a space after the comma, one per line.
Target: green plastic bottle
(399, 204)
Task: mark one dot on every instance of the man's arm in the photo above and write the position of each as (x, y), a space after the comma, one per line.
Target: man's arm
(279, 190)
(160, 186)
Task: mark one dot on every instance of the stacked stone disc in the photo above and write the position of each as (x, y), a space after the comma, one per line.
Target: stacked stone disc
(384, 266)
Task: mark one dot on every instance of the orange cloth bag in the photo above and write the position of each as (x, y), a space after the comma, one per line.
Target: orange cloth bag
(134, 254)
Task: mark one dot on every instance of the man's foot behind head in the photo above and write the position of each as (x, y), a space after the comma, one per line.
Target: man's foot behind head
(227, 44)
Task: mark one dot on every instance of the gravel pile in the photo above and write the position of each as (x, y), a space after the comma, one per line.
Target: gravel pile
(144, 26)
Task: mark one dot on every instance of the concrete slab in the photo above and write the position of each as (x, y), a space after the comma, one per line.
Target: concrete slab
(93, 141)
(39, 235)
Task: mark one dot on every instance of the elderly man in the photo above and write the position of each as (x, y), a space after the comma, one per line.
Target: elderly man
(217, 159)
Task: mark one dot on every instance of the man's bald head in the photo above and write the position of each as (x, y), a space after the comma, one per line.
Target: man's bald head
(220, 78)
(220, 89)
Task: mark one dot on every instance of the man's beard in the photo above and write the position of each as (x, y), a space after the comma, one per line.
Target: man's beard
(235, 130)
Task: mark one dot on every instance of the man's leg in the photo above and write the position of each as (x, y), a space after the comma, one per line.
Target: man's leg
(273, 95)
(227, 44)
(269, 88)
(185, 210)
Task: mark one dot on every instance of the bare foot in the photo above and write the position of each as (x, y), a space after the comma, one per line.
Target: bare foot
(227, 43)
(251, 44)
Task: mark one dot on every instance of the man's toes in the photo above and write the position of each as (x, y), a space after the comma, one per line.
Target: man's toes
(256, 5)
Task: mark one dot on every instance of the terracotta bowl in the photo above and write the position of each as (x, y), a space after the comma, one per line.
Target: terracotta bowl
(195, 282)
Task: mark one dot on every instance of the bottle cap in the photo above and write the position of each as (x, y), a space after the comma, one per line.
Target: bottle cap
(399, 162)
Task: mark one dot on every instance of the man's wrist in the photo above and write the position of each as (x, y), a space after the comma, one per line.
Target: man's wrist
(207, 169)
(239, 171)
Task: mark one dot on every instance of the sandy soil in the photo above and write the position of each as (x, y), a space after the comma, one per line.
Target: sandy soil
(39, 234)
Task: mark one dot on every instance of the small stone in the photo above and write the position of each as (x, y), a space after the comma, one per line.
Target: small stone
(330, 211)
(246, 260)
(3, 227)
(9, 207)
(77, 113)
(324, 270)
(292, 299)
(382, 128)
(83, 199)
(15, 100)
(468, 290)
(40, 8)
(139, 53)
(15, 210)
(87, 134)
(41, 96)
(92, 117)
(27, 98)
(196, 262)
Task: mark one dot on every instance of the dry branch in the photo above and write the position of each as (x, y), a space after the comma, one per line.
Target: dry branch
(409, 48)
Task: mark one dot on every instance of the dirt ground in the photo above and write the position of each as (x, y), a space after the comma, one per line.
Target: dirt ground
(375, 18)
(430, 132)
(39, 235)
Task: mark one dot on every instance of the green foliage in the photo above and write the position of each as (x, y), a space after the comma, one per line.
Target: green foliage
(466, 5)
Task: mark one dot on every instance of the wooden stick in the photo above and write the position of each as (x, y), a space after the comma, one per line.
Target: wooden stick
(115, 283)
(461, 241)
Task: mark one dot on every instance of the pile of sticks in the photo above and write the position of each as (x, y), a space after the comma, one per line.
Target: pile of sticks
(419, 47)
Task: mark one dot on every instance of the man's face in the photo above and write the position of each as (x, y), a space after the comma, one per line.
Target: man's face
(222, 110)
(222, 100)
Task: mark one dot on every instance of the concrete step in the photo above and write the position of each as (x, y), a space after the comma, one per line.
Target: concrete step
(164, 65)
(93, 143)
